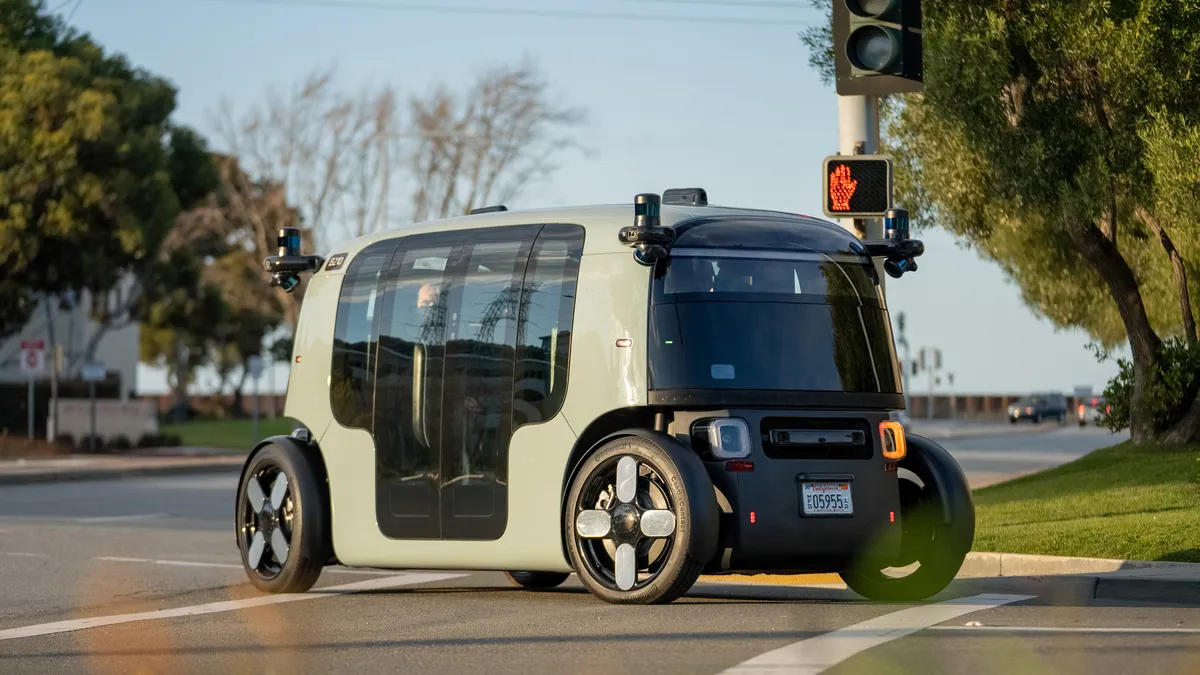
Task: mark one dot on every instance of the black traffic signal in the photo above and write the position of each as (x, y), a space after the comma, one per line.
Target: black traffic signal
(877, 46)
(856, 186)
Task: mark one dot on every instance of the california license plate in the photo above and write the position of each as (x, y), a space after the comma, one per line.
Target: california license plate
(827, 499)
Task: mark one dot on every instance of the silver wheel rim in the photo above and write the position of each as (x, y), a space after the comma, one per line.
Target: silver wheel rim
(625, 524)
(267, 515)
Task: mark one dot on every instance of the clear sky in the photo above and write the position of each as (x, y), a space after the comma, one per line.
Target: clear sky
(730, 107)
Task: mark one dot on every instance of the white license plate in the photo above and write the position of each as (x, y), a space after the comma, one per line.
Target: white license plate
(827, 499)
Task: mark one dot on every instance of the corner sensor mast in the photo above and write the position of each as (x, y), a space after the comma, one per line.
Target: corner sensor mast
(899, 252)
(286, 267)
(649, 239)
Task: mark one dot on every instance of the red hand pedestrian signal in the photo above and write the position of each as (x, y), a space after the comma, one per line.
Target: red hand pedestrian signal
(857, 186)
(841, 188)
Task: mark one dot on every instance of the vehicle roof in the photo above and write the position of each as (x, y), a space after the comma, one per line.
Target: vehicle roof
(604, 220)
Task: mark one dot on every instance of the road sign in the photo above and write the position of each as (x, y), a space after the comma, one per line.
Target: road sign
(856, 186)
(33, 357)
(254, 364)
(93, 372)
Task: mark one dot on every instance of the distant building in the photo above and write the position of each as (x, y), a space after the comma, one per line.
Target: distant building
(118, 350)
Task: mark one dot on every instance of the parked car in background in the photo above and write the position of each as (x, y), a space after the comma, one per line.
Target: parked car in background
(1039, 407)
(1092, 411)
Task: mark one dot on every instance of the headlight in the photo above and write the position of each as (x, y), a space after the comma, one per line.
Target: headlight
(729, 438)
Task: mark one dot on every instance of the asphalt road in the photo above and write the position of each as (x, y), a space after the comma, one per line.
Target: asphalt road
(991, 458)
(76, 551)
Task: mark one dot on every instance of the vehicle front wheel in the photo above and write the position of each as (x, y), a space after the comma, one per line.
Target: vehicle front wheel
(632, 526)
(537, 580)
(936, 546)
(282, 528)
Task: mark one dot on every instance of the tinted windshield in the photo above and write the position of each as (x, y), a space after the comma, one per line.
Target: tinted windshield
(781, 276)
(769, 320)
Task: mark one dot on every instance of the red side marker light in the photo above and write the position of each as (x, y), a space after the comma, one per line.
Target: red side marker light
(624, 342)
(739, 465)
(891, 516)
(752, 516)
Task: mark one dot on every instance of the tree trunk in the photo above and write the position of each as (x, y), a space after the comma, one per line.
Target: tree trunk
(1102, 254)
(181, 382)
(239, 405)
(1181, 282)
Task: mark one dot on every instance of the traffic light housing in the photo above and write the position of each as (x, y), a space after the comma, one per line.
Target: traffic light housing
(856, 186)
(877, 46)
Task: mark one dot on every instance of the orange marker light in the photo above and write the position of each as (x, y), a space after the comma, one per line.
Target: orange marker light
(891, 434)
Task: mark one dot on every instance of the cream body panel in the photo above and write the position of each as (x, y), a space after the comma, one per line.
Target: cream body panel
(308, 381)
(532, 540)
(612, 303)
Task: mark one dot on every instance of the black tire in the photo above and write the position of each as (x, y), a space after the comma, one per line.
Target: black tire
(537, 580)
(939, 546)
(1037, 418)
(675, 475)
(303, 518)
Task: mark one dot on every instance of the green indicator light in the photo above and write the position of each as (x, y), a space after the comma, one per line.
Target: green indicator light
(670, 342)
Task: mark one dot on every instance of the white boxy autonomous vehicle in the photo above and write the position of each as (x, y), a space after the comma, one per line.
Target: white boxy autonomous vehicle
(637, 394)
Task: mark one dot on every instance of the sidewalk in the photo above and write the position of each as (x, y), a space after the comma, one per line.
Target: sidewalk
(154, 461)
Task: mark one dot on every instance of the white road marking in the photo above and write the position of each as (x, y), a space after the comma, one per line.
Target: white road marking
(223, 606)
(1060, 629)
(115, 519)
(814, 655)
(24, 555)
(230, 566)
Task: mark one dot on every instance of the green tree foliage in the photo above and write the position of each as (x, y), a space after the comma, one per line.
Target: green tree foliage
(94, 172)
(182, 319)
(1055, 139)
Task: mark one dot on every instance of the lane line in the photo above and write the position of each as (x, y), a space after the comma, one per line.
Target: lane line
(23, 555)
(116, 519)
(814, 655)
(223, 606)
(1060, 629)
(231, 566)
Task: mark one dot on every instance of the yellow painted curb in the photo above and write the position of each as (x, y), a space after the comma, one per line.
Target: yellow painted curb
(778, 579)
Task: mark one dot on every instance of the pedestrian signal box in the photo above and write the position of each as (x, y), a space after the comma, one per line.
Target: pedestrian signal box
(857, 186)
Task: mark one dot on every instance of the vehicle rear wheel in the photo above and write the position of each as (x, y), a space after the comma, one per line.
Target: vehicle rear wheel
(537, 580)
(282, 531)
(938, 547)
(630, 522)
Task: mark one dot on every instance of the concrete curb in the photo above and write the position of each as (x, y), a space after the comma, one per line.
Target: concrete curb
(983, 564)
(217, 465)
(1109, 579)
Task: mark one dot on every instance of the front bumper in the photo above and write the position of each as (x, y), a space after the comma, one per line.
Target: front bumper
(764, 527)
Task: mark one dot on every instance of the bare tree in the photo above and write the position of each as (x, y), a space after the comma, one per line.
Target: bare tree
(341, 159)
(331, 153)
(485, 145)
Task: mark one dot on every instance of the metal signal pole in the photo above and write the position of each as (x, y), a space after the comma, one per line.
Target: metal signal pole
(858, 134)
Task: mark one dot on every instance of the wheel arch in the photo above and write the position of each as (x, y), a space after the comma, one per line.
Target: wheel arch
(928, 459)
(311, 451)
(698, 485)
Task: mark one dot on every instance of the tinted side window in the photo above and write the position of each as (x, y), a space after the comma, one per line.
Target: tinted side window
(352, 371)
(409, 388)
(544, 333)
